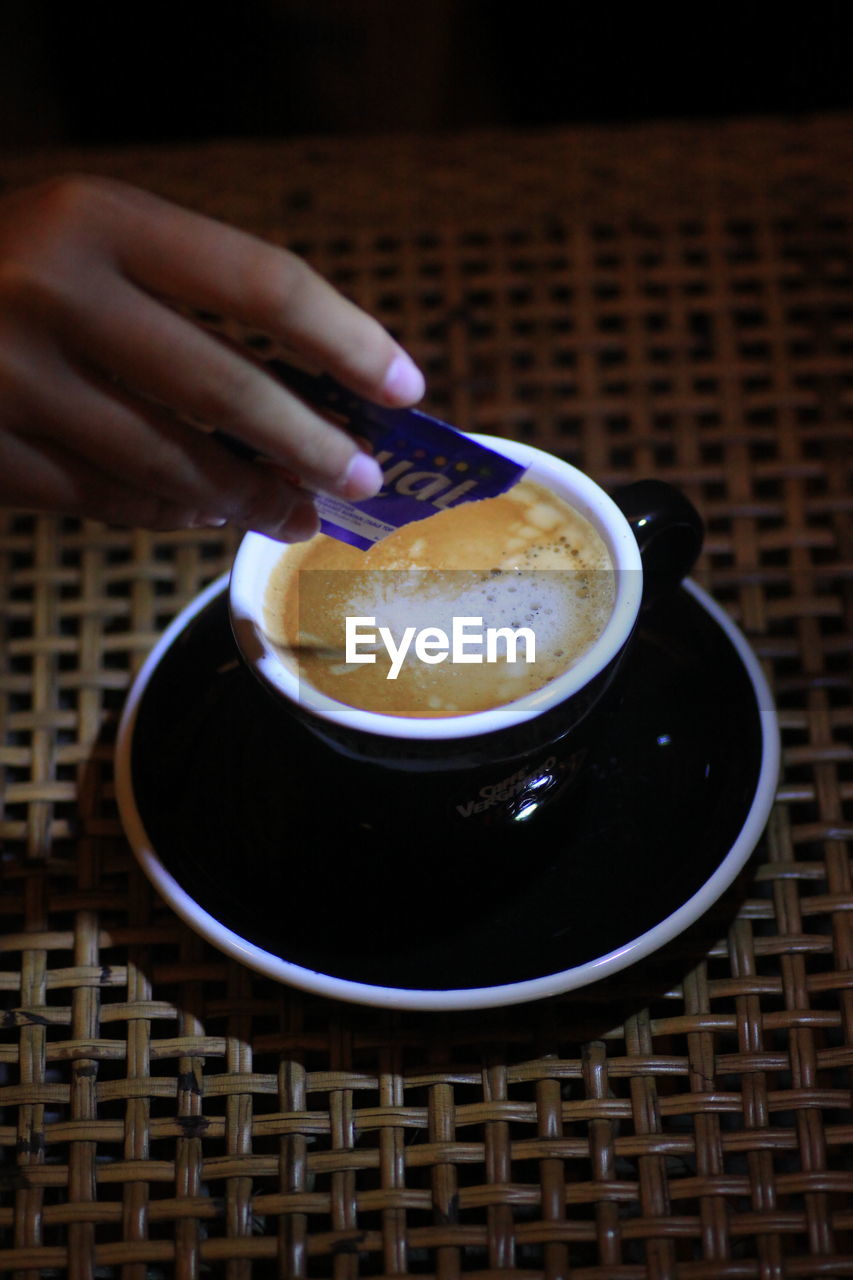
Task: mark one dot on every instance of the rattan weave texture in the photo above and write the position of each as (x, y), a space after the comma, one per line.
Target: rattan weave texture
(667, 299)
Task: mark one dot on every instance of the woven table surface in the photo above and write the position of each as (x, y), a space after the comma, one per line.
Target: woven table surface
(671, 299)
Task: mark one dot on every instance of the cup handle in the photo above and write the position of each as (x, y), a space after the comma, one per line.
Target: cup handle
(668, 529)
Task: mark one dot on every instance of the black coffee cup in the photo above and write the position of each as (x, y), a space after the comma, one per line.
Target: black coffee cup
(502, 765)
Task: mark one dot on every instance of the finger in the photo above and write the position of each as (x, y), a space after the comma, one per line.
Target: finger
(173, 361)
(45, 476)
(210, 265)
(134, 440)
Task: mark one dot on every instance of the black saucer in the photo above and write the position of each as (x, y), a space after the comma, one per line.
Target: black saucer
(252, 829)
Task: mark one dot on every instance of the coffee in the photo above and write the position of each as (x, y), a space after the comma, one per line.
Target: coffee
(394, 629)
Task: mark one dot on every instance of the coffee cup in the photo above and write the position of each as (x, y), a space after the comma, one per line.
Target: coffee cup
(498, 764)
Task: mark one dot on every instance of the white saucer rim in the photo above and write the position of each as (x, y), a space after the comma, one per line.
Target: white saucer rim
(318, 983)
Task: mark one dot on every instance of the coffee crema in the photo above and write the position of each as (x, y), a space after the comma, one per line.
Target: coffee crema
(523, 561)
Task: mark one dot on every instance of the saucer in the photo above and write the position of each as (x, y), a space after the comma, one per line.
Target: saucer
(251, 828)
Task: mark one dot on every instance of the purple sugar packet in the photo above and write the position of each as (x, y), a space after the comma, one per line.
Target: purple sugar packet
(428, 465)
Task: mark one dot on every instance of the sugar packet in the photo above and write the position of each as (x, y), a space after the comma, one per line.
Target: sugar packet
(427, 465)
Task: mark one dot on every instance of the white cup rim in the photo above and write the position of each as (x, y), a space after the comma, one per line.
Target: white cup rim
(257, 555)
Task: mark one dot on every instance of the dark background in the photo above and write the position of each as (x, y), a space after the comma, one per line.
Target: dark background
(114, 74)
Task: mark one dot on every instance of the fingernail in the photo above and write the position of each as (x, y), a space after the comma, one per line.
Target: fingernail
(362, 479)
(200, 521)
(404, 382)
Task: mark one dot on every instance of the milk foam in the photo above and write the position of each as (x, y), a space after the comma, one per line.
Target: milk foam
(558, 612)
(525, 559)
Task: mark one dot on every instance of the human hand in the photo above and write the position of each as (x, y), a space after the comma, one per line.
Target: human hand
(98, 371)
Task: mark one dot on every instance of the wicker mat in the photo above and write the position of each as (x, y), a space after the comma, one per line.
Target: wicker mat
(673, 299)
